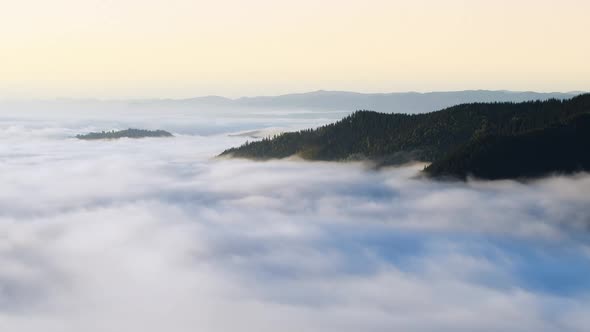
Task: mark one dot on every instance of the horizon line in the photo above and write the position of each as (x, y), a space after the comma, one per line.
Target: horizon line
(138, 99)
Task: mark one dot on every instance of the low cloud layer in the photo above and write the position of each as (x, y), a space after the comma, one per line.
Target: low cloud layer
(154, 235)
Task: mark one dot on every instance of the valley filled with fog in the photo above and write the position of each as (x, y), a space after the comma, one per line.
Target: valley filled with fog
(156, 234)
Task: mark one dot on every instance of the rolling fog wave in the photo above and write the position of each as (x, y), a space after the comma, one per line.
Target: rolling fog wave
(155, 235)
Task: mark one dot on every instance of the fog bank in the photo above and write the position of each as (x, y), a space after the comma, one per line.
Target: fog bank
(154, 235)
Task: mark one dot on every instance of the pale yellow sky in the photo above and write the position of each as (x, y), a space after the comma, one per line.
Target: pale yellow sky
(183, 48)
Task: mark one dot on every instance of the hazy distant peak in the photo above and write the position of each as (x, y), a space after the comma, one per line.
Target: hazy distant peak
(395, 102)
(322, 100)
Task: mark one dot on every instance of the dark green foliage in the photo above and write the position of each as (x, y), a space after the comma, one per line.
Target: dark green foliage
(395, 138)
(562, 148)
(130, 133)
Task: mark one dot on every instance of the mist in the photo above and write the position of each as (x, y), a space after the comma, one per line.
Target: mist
(158, 235)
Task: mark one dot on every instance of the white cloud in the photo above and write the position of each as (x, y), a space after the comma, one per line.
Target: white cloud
(153, 235)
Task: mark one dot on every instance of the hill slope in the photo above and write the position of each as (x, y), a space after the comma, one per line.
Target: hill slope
(563, 148)
(395, 138)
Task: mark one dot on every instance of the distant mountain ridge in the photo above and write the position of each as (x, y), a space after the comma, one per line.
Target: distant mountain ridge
(396, 102)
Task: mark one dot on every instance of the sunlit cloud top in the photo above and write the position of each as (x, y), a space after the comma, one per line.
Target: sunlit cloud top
(182, 48)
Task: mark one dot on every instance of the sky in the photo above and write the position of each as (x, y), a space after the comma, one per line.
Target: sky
(156, 235)
(184, 48)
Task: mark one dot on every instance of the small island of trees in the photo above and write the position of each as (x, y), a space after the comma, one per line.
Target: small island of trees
(129, 133)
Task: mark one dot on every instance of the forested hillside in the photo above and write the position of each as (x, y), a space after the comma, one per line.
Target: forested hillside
(395, 138)
(561, 148)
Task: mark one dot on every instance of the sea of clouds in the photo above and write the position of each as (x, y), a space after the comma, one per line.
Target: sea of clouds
(157, 235)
